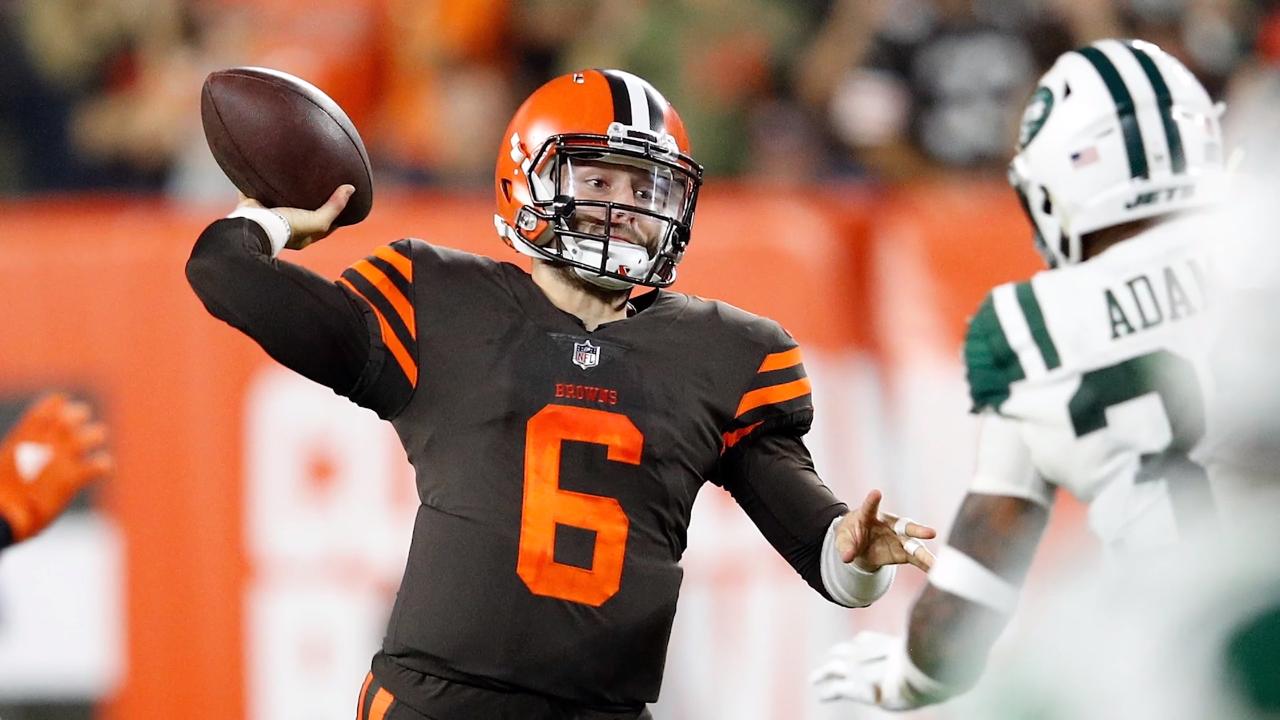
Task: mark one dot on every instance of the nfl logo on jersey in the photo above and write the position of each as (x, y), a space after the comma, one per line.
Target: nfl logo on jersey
(586, 355)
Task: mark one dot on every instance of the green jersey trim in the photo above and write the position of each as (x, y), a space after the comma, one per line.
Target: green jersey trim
(1035, 322)
(991, 364)
(1250, 656)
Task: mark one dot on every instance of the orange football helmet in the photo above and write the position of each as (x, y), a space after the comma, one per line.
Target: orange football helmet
(595, 172)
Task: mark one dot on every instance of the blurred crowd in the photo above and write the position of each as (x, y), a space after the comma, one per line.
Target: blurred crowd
(104, 94)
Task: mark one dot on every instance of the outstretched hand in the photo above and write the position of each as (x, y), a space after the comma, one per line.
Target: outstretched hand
(54, 451)
(869, 670)
(871, 539)
(308, 226)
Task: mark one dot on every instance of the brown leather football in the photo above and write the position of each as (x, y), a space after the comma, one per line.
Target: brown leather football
(283, 142)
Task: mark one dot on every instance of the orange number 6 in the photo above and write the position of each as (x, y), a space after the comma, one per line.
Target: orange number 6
(546, 505)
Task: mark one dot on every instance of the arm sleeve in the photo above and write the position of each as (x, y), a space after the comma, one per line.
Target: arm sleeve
(771, 477)
(1004, 464)
(304, 321)
(325, 331)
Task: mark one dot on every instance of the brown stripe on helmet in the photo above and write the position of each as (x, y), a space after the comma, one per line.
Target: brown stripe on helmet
(621, 97)
(657, 118)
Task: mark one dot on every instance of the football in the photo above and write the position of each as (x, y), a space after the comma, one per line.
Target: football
(283, 142)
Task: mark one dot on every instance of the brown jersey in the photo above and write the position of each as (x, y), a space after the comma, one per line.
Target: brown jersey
(556, 467)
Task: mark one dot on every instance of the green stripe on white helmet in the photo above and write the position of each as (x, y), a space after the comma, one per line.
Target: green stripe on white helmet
(1117, 131)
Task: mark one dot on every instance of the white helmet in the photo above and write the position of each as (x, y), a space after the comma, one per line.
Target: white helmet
(1117, 131)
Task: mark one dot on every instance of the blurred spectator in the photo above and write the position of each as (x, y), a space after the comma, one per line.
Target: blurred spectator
(911, 84)
(1253, 98)
(1203, 34)
(786, 146)
(329, 43)
(104, 93)
(714, 59)
(59, 57)
(447, 89)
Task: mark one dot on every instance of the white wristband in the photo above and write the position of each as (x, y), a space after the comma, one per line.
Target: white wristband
(276, 226)
(906, 687)
(961, 575)
(846, 583)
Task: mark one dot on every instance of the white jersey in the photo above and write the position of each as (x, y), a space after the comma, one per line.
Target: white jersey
(1102, 369)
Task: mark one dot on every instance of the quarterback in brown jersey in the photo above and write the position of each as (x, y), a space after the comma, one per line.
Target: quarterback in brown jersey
(559, 426)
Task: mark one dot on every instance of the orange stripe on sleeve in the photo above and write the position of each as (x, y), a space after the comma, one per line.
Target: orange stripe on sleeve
(381, 703)
(397, 261)
(774, 394)
(392, 293)
(733, 437)
(780, 360)
(364, 689)
(389, 338)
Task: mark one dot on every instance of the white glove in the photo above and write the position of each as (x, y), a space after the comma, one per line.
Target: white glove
(873, 669)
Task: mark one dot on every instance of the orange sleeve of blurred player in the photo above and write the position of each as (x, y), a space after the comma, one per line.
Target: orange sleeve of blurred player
(54, 451)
